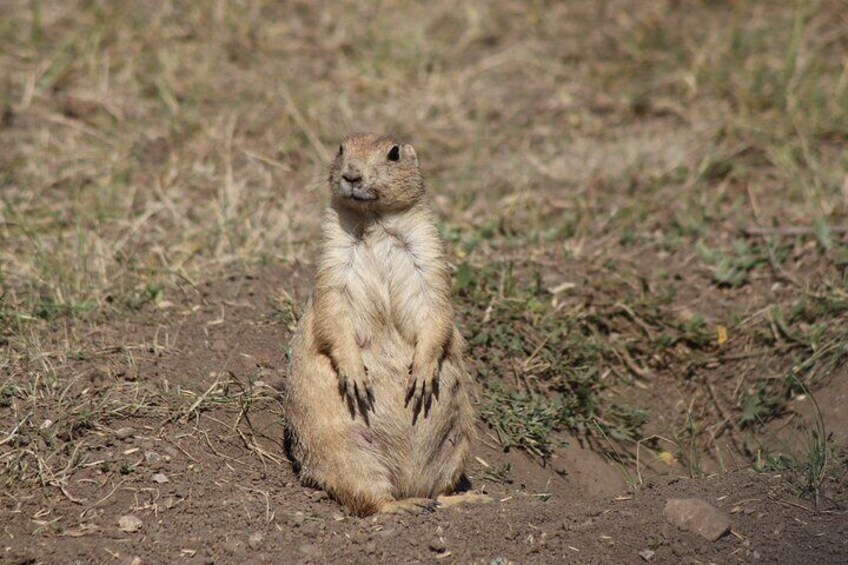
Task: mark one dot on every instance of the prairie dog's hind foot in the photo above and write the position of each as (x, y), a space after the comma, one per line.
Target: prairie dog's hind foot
(408, 506)
(451, 500)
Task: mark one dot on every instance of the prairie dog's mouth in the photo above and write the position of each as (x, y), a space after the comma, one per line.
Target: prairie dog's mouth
(356, 192)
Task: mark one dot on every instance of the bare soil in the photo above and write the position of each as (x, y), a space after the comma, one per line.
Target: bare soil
(231, 497)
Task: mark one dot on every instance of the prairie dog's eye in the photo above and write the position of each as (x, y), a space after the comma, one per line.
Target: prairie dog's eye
(341, 149)
(394, 153)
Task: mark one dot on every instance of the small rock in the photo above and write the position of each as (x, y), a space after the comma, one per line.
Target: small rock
(152, 457)
(160, 478)
(438, 545)
(647, 554)
(45, 424)
(255, 540)
(696, 515)
(318, 495)
(124, 433)
(129, 523)
(297, 519)
(309, 550)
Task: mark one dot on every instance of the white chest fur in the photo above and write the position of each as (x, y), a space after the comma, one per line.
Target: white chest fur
(389, 272)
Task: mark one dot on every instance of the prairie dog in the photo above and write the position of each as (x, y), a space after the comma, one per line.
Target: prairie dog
(376, 399)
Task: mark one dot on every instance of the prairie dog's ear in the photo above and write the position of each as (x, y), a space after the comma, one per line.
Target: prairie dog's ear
(409, 151)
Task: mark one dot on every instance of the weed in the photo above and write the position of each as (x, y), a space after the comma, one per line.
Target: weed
(557, 360)
(150, 293)
(808, 458)
(732, 268)
(498, 474)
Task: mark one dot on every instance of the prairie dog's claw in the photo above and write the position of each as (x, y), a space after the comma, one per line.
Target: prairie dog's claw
(356, 388)
(421, 386)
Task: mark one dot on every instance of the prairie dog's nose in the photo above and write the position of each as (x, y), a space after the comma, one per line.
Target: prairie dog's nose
(352, 176)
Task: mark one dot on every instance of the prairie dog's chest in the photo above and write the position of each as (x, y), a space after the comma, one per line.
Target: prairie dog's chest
(388, 274)
(387, 258)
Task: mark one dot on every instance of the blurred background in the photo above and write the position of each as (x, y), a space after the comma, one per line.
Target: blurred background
(644, 201)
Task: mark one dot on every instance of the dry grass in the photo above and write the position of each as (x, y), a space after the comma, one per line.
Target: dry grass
(684, 159)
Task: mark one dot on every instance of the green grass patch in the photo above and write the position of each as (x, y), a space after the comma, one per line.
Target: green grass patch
(542, 371)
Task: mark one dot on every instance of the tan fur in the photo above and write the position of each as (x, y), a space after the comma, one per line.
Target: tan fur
(376, 398)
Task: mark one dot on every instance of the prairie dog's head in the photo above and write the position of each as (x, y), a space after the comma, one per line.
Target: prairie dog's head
(375, 173)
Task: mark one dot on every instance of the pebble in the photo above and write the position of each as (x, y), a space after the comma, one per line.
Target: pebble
(160, 478)
(296, 519)
(318, 495)
(129, 523)
(255, 540)
(309, 550)
(698, 516)
(438, 545)
(124, 433)
(647, 554)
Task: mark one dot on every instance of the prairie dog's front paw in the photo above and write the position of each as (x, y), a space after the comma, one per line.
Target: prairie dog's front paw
(422, 384)
(355, 384)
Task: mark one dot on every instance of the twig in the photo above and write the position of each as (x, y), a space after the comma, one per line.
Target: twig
(532, 357)
(779, 500)
(102, 500)
(636, 319)
(252, 445)
(729, 421)
(623, 356)
(789, 231)
(70, 496)
(269, 516)
(76, 125)
(199, 400)
(14, 431)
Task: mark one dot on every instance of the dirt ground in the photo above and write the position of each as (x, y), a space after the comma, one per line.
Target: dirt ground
(211, 485)
(644, 207)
